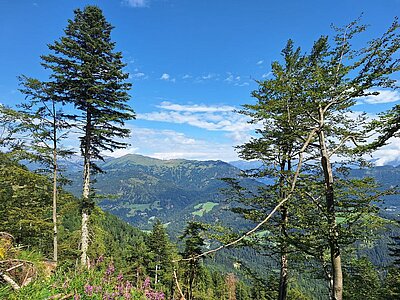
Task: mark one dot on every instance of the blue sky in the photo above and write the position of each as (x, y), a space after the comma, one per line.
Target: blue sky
(191, 62)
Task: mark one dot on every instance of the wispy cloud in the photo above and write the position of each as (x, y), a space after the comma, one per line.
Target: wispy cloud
(195, 107)
(138, 75)
(212, 118)
(242, 84)
(265, 75)
(165, 76)
(260, 62)
(384, 96)
(170, 144)
(186, 76)
(136, 3)
(208, 76)
(233, 78)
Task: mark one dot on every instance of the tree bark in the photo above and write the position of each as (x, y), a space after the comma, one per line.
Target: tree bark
(337, 276)
(85, 212)
(86, 191)
(283, 278)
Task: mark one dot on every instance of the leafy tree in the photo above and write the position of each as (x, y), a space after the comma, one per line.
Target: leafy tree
(276, 147)
(335, 77)
(87, 73)
(319, 97)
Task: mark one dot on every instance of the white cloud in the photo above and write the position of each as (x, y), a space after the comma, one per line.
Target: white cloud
(260, 62)
(186, 76)
(122, 152)
(208, 76)
(170, 144)
(165, 76)
(195, 107)
(242, 84)
(385, 96)
(265, 75)
(212, 118)
(139, 75)
(229, 78)
(232, 78)
(136, 3)
(389, 154)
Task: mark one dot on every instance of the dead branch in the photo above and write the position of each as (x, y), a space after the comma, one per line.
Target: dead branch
(10, 281)
(14, 267)
(178, 286)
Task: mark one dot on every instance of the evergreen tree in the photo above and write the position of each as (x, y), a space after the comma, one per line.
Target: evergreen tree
(161, 250)
(45, 125)
(25, 201)
(361, 280)
(193, 247)
(88, 73)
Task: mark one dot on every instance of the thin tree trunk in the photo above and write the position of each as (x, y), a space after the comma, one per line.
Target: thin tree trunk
(156, 276)
(55, 232)
(283, 278)
(337, 275)
(55, 169)
(86, 191)
(85, 212)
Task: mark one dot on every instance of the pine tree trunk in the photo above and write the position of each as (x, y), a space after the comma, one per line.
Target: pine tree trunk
(337, 275)
(85, 213)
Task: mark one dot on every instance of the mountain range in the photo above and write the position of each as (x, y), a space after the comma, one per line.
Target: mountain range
(139, 189)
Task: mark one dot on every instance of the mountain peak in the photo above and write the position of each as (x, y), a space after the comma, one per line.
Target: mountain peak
(137, 159)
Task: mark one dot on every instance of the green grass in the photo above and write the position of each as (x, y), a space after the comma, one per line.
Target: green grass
(135, 208)
(204, 208)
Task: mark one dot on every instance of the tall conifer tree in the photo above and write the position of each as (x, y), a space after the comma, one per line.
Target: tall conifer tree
(88, 73)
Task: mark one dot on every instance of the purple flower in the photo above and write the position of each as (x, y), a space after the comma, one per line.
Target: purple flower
(154, 295)
(88, 290)
(128, 285)
(100, 259)
(110, 270)
(120, 277)
(146, 284)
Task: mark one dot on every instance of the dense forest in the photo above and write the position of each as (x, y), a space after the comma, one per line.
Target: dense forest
(307, 221)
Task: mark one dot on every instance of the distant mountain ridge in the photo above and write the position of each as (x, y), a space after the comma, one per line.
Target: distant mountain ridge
(175, 191)
(179, 190)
